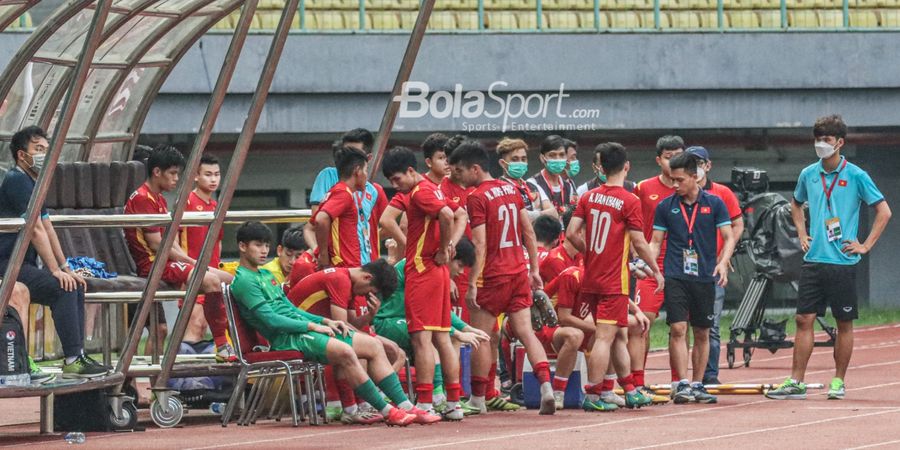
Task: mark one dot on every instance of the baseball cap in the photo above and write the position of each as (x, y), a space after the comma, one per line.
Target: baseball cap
(699, 152)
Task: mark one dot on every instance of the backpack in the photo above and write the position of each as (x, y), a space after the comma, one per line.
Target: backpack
(14, 357)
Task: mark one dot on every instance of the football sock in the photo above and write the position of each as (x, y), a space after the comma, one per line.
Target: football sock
(638, 377)
(542, 372)
(479, 386)
(559, 383)
(424, 392)
(214, 310)
(453, 390)
(369, 392)
(438, 379)
(627, 384)
(391, 387)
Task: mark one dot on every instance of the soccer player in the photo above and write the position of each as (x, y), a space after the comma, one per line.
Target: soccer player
(549, 183)
(290, 251)
(513, 155)
(262, 303)
(434, 226)
(435, 158)
(163, 169)
(337, 219)
(610, 219)
(687, 221)
(834, 188)
(599, 178)
(711, 376)
(547, 231)
(651, 192)
(500, 282)
(206, 182)
(561, 256)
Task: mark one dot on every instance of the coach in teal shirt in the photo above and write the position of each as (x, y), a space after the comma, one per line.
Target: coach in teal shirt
(834, 188)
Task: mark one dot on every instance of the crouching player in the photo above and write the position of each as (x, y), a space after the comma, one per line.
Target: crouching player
(262, 303)
(611, 219)
(500, 282)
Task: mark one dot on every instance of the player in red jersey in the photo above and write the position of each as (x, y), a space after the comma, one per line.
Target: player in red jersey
(561, 256)
(651, 191)
(611, 219)
(163, 168)
(338, 218)
(434, 225)
(200, 199)
(500, 282)
(547, 230)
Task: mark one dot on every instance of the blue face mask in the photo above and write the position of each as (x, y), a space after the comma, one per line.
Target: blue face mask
(574, 168)
(556, 166)
(517, 169)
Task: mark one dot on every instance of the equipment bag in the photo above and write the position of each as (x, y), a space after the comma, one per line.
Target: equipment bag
(14, 357)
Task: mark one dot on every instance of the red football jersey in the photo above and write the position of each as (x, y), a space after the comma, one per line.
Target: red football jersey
(731, 204)
(423, 236)
(381, 203)
(556, 261)
(340, 204)
(459, 195)
(609, 213)
(192, 237)
(304, 266)
(496, 204)
(316, 293)
(652, 191)
(565, 290)
(143, 201)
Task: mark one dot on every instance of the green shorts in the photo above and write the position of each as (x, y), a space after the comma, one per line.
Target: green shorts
(311, 344)
(395, 330)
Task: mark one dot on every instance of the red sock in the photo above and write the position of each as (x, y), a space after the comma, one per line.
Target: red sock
(453, 390)
(479, 386)
(348, 399)
(638, 377)
(492, 383)
(559, 384)
(627, 383)
(331, 390)
(595, 389)
(424, 392)
(675, 376)
(542, 372)
(608, 384)
(214, 311)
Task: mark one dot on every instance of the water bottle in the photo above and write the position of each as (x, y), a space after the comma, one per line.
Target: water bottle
(217, 408)
(75, 437)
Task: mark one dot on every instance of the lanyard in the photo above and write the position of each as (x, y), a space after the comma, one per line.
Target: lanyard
(561, 205)
(829, 189)
(690, 222)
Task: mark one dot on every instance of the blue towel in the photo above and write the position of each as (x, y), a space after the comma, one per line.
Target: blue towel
(96, 268)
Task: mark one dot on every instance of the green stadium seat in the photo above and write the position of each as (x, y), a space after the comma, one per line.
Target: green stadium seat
(769, 19)
(562, 20)
(624, 20)
(863, 19)
(742, 19)
(831, 19)
(710, 19)
(648, 22)
(803, 18)
(586, 19)
(384, 20)
(684, 19)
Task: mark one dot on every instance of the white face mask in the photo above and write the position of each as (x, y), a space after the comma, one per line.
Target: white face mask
(701, 172)
(824, 150)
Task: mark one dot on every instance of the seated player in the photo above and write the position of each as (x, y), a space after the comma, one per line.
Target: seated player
(561, 256)
(262, 303)
(547, 230)
(206, 182)
(163, 169)
(291, 252)
(390, 322)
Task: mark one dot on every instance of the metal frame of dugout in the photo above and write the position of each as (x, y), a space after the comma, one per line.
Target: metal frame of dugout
(73, 71)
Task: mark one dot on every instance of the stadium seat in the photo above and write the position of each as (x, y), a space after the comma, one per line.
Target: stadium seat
(351, 20)
(330, 4)
(384, 20)
(738, 4)
(831, 18)
(863, 19)
(710, 19)
(803, 18)
(767, 4)
(382, 5)
(268, 19)
(667, 5)
(586, 19)
(562, 20)
(828, 4)
(702, 4)
(684, 19)
(325, 20)
(467, 20)
(227, 23)
(500, 20)
(568, 5)
(890, 18)
(742, 19)
(801, 4)
(866, 3)
(24, 21)
(769, 19)
(527, 20)
(624, 20)
(440, 20)
(628, 5)
(647, 20)
(270, 4)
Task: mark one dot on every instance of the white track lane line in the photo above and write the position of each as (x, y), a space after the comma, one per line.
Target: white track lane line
(879, 444)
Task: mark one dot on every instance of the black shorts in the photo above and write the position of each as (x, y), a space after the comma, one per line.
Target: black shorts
(824, 285)
(690, 301)
(160, 313)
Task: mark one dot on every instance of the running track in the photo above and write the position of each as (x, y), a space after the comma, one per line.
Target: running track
(867, 418)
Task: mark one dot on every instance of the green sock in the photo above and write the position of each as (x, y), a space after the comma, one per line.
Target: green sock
(390, 385)
(438, 379)
(369, 393)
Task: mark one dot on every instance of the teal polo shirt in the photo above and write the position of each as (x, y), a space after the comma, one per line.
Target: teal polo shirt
(853, 187)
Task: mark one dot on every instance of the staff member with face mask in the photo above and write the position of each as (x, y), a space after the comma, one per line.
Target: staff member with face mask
(834, 189)
(513, 155)
(549, 183)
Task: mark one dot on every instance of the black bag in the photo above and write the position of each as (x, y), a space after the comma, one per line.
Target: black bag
(773, 332)
(91, 411)
(14, 357)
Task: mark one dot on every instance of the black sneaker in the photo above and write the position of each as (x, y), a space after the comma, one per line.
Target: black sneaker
(684, 394)
(701, 395)
(712, 380)
(97, 363)
(82, 367)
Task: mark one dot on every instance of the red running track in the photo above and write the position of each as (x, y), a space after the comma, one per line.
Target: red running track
(867, 418)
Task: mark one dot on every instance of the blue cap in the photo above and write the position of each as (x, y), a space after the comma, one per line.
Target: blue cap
(699, 152)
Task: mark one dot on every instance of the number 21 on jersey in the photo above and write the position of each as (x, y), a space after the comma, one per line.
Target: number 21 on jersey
(509, 217)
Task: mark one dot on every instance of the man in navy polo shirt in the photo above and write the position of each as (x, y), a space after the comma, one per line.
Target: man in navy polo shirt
(688, 221)
(834, 189)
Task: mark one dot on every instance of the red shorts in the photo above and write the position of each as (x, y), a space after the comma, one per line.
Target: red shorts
(505, 295)
(608, 309)
(545, 335)
(200, 300)
(177, 273)
(462, 286)
(428, 299)
(645, 297)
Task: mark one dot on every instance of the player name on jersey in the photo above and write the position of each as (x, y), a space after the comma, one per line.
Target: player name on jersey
(606, 200)
(498, 191)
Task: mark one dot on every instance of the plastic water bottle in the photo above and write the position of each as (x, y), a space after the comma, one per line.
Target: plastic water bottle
(217, 408)
(75, 437)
